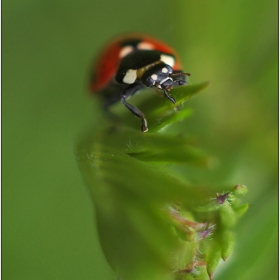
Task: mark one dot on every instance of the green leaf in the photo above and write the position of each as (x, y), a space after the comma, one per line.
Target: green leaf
(169, 119)
(153, 224)
(227, 244)
(134, 232)
(227, 215)
(213, 256)
(113, 167)
(241, 210)
(154, 149)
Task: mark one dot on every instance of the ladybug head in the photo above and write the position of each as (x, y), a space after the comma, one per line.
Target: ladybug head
(159, 76)
(162, 77)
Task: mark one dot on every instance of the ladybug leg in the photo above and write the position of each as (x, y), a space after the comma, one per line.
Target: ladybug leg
(169, 97)
(158, 93)
(135, 111)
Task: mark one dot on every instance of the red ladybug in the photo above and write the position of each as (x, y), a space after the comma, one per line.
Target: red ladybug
(131, 63)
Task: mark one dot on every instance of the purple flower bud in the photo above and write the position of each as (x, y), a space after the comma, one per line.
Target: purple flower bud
(221, 198)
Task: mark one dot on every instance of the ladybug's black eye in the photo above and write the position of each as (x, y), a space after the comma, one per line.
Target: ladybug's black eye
(149, 82)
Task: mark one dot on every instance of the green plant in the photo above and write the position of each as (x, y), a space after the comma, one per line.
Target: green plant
(153, 222)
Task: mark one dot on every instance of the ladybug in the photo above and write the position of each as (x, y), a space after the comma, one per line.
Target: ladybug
(132, 62)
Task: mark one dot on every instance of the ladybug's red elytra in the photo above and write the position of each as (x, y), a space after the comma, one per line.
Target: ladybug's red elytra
(131, 63)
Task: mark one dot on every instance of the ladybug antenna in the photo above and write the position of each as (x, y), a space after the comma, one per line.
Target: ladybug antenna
(179, 74)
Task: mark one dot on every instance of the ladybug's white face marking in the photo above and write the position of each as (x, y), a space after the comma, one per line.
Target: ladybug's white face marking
(154, 77)
(167, 59)
(130, 76)
(164, 70)
(125, 51)
(145, 46)
(164, 80)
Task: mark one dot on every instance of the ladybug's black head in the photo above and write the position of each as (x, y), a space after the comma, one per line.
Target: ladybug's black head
(161, 76)
(158, 76)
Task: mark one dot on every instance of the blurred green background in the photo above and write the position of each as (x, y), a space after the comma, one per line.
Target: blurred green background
(47, 217)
